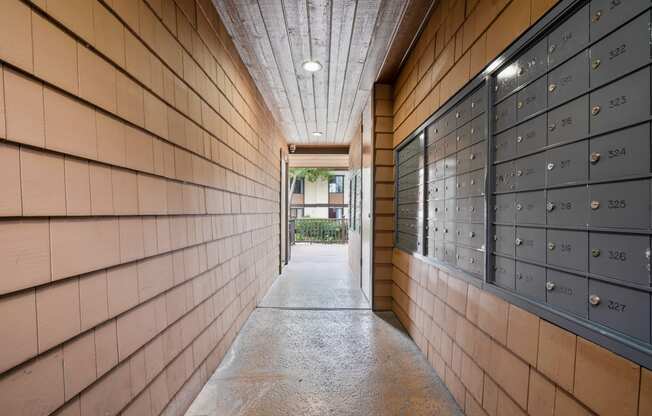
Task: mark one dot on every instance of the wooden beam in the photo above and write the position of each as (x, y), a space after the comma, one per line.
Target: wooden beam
(412, 22)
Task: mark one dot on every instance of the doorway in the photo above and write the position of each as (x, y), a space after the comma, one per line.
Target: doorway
(320, 206)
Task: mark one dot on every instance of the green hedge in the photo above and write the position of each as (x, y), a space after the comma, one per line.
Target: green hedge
(320, 230)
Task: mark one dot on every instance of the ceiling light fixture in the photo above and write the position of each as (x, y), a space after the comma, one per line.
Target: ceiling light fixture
(311, 66)
(317, 133)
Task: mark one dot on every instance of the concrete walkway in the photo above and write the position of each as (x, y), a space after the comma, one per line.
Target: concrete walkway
(300, 362)
(317, 277)
(305, 362)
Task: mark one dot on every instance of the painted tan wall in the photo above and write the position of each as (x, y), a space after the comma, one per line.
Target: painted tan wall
(495, 358)
(139, 172)
(355, 238)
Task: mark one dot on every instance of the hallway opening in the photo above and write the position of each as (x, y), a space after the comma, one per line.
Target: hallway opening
(317, 277)
(313, 345)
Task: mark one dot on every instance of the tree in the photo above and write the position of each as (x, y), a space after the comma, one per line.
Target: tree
(308, 174)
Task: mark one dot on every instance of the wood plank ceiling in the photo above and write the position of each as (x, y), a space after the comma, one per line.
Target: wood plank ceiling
(349, 38)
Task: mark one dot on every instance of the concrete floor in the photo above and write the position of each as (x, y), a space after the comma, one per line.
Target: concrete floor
(322, 362)
(317, 277)
(301, 362)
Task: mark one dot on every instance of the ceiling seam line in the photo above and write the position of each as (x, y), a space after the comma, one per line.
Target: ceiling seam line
(348, 54)
(328, 73)
(278, 68)
(296, 77)
(366, 60)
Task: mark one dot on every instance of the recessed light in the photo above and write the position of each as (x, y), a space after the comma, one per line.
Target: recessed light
(311, 66)
(317, 133)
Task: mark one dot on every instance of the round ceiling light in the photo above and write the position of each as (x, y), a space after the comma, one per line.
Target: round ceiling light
(317, 133)
(311, 66)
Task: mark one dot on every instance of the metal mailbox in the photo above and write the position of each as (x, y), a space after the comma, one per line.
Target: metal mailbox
(531, 135)
(620, 204)
(567, 164)
(620, 256)
(621, 153)
(569, 38)
(621, 104)
(567, 291)
(623, 309)
(531, 281)
(623, 51)
(567, 249)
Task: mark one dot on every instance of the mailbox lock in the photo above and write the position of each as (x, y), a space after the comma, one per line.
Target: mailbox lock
(496, 88)
(595, 205)
(518, 241)
(457, 115)
(521, 71)
(471, 260)
(595, 157)
(458, 185)
(472, 130)
(472, 234)
(594, 300)
(596, 63)
(519, 207)
(551, 166)
(595, 252)
(552, 127)
(495, 237)
(472, 104)
(519, 139)
(552, 87)
(550, 206)
(519, 173)
(551, 246)
(595, 110)
(520, 104)
(552, 47)
(472, 156)
(457, 138)
(550, 286)
(472, 209)
(596, 16)
(648, 253)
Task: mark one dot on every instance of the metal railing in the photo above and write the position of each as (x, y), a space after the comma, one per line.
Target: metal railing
(319, 230)
(291, 228)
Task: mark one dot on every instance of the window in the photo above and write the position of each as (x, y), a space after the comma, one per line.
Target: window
(336, 184)
(296, 212)
(336, 213)
(298, 187)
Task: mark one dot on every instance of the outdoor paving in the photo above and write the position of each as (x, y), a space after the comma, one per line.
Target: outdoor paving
(317, 277)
